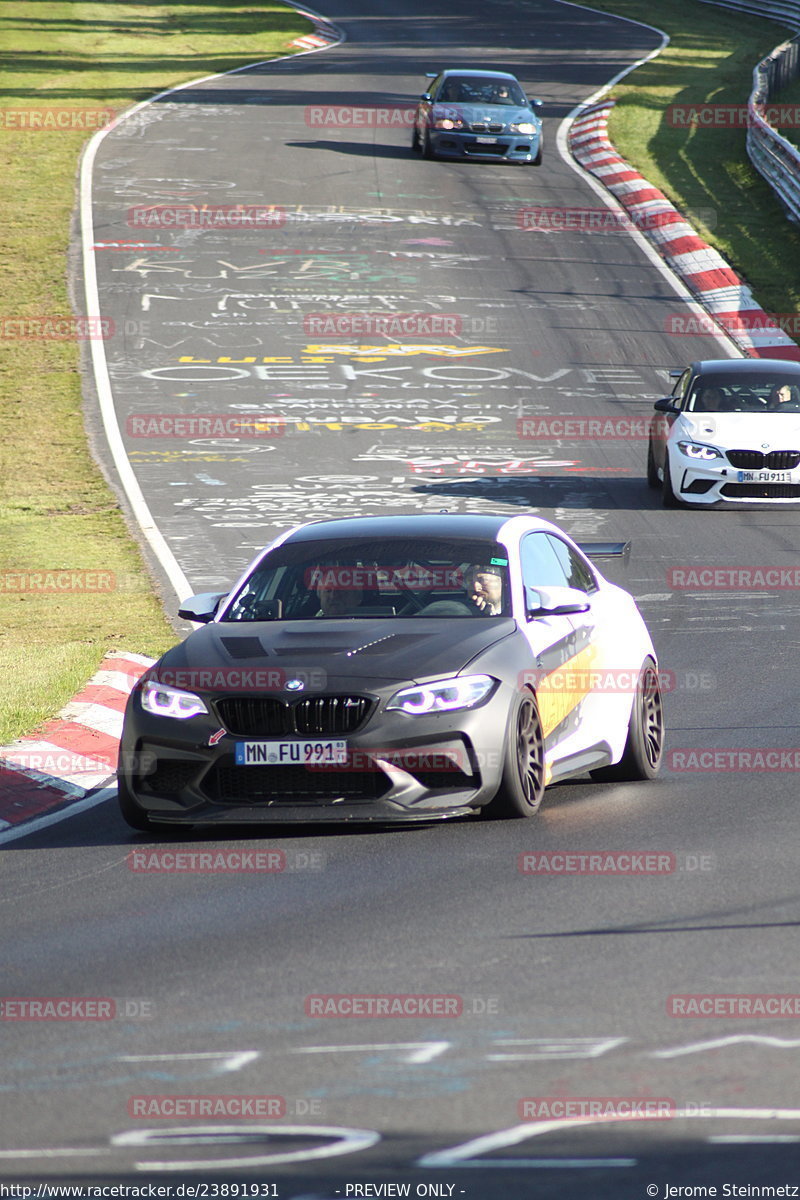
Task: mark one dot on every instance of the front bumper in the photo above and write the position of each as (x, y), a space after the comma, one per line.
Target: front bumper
(503, 147)
(718, 484)
(399, 768)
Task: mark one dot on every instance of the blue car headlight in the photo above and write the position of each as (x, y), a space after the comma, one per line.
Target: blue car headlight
(446, 695)
(526, 127)
(165, 701)
(699, 451)
(448, 123)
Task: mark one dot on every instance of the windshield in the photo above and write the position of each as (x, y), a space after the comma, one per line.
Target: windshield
(389, 577)
(773, 391)
(475, 90)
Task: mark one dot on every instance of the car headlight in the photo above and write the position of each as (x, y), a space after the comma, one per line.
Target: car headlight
(698, 450)
(522, 127)
(165, 701)
(446, 695)
(448, 123)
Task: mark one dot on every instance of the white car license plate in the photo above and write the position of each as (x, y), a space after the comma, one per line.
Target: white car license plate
(765, 477)
(484, 141)
(271, 754)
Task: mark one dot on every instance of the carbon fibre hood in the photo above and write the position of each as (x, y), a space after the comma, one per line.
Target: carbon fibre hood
(404, 649)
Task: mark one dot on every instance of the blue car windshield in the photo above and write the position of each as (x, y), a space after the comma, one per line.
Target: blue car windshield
(473, 89)
(368, 578)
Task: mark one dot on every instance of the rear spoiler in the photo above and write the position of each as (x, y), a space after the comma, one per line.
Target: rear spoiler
(601, 550)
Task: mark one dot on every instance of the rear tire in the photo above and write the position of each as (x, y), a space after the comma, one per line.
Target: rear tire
(652, 473)
(131, 813)
(522, 785)
(644, 747)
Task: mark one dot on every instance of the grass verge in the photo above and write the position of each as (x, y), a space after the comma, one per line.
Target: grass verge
(56, 511)
(709, 60)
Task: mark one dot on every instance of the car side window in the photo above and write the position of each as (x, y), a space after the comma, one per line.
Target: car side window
(579, 574)
(540, 563)
(679, 391)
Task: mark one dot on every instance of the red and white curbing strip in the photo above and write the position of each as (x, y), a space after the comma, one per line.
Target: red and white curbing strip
(723, 293)
(76, 752)
(325, 34)
(310, 41)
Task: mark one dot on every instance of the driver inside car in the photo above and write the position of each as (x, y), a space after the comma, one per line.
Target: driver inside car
(485, 588)
(339, 591)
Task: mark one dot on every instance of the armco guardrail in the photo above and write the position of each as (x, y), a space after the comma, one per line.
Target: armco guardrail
(772, 156)
(787, 12)
(776, 159)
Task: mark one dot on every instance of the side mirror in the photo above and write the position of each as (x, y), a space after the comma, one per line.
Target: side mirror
(425, 96)
(554, 602)
(202, 607)
(666, 405)
(536, 103)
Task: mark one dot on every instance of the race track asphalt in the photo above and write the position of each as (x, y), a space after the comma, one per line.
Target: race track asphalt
(562, 980)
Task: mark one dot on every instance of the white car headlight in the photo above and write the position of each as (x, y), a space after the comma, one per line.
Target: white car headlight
(446, 695)
(523, 127)
(698, 450)
(165, 701)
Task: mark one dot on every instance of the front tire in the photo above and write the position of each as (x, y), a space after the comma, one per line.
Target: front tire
(537, 162)
(415, 143)
(644, 747)
(131, 813)
(652, 472)
(522, 785)
(668, 497)
(427, 148)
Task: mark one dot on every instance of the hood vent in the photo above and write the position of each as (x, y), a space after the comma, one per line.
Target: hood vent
(244, 647)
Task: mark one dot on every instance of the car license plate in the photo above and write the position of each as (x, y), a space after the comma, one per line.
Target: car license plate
(484, 141)
(765, 477)
(272, 754)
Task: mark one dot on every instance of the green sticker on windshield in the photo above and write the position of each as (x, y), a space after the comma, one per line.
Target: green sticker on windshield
(498, 562)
